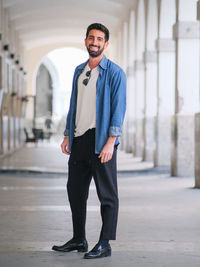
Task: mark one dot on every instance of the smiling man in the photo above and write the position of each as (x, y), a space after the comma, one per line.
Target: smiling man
(93, 125)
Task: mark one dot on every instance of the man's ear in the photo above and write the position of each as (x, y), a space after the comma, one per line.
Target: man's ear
(106, 44)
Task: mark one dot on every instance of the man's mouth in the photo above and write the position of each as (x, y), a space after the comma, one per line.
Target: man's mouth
(93, 48)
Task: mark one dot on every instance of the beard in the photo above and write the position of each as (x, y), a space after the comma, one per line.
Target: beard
(95, 53)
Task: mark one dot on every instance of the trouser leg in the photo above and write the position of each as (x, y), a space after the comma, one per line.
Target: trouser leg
(79, 179)
(105, 176)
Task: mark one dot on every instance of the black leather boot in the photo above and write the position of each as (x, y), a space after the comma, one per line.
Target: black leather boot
(99, 251)
(73, 244)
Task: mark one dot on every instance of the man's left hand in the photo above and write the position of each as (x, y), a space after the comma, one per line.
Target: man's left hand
(107, 151)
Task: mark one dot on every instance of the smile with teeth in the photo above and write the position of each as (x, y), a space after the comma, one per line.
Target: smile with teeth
(94, 48)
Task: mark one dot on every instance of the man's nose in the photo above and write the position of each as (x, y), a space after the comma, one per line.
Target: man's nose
(94, 41)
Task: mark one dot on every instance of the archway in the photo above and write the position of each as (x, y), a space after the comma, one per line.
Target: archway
(53, 80)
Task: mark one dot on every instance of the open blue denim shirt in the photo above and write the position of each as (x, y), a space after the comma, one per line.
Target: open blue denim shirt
(110, 103)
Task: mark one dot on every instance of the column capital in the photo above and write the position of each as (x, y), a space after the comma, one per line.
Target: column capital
(198, 10)
(139, 65)
(186, 30)
(165, 45)
(150, 56)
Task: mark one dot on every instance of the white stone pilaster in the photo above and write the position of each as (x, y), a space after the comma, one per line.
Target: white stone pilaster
(165, 46)
(186, 35)
(130, 133)
(150, 59)
(124, 141)
(197, 127)
(139, 79)
(1, 23)
(1, 76)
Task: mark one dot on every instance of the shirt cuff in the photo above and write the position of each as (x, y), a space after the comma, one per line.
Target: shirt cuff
(66, 132)
(115, 131)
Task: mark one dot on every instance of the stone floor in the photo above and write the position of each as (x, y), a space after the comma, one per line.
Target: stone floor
(158, 225)
(47, 157)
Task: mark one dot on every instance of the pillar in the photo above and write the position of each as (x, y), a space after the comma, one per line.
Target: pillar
(5, 80)
(165, 81)
(130, 132)
(124, 67)
(150, 59)
(1, 77)
(186, 34)
(197, 130)
(10, 76)
(139, 80)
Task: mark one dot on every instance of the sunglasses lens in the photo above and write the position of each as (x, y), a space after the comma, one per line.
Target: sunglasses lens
(88, 73)
(85, 81)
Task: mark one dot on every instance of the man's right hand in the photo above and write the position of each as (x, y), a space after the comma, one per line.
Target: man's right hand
(65, 145)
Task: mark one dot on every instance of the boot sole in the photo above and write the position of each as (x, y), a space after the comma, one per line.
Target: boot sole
(103, 255)
(69, 250)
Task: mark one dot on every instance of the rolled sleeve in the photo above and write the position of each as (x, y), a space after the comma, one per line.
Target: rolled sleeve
(115, 131)
(66, 132)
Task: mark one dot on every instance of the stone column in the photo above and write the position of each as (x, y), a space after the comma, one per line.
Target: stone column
(16, 79)
(130, 85)
(150, 59)
(139, 80)
(197, 130)
(9, 62)
(5, 80)
(124, 140)
(22, 91)
(186, 35)
(1, 77)
(150, 104)
(165, 81)
(12, 83)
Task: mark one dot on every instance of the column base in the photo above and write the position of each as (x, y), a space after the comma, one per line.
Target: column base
(139, 141)
(182, 158)
(197, 150)
(150, 139)
(162, 157)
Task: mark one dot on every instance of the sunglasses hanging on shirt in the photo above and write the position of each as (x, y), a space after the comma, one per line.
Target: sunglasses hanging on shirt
(86, 80)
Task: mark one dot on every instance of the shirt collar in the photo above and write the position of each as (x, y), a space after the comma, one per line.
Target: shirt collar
(102, 64)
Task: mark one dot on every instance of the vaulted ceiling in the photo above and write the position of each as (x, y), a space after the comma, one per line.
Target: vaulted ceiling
(41, 22)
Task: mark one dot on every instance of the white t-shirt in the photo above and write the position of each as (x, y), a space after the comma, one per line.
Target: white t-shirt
(86, 102)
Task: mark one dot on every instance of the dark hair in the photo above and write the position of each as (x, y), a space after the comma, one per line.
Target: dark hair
(100, 27)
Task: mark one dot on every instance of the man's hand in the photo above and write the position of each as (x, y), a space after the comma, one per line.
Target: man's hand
(107, 151)
(65, 145)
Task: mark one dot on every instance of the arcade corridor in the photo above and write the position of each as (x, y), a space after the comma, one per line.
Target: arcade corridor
(156, 43)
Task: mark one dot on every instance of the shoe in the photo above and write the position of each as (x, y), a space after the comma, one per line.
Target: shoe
(98, 251)
(71, 245)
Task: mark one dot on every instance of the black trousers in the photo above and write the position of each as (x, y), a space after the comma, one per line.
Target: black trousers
(83, 165)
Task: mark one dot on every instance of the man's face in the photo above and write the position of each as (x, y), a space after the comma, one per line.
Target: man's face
(95, 43)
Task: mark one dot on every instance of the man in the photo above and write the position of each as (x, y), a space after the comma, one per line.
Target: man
(94, 122)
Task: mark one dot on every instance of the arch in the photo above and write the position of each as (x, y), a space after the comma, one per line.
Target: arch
(54, 76)
(52, 71)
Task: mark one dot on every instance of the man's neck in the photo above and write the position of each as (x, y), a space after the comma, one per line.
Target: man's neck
(94, 61)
